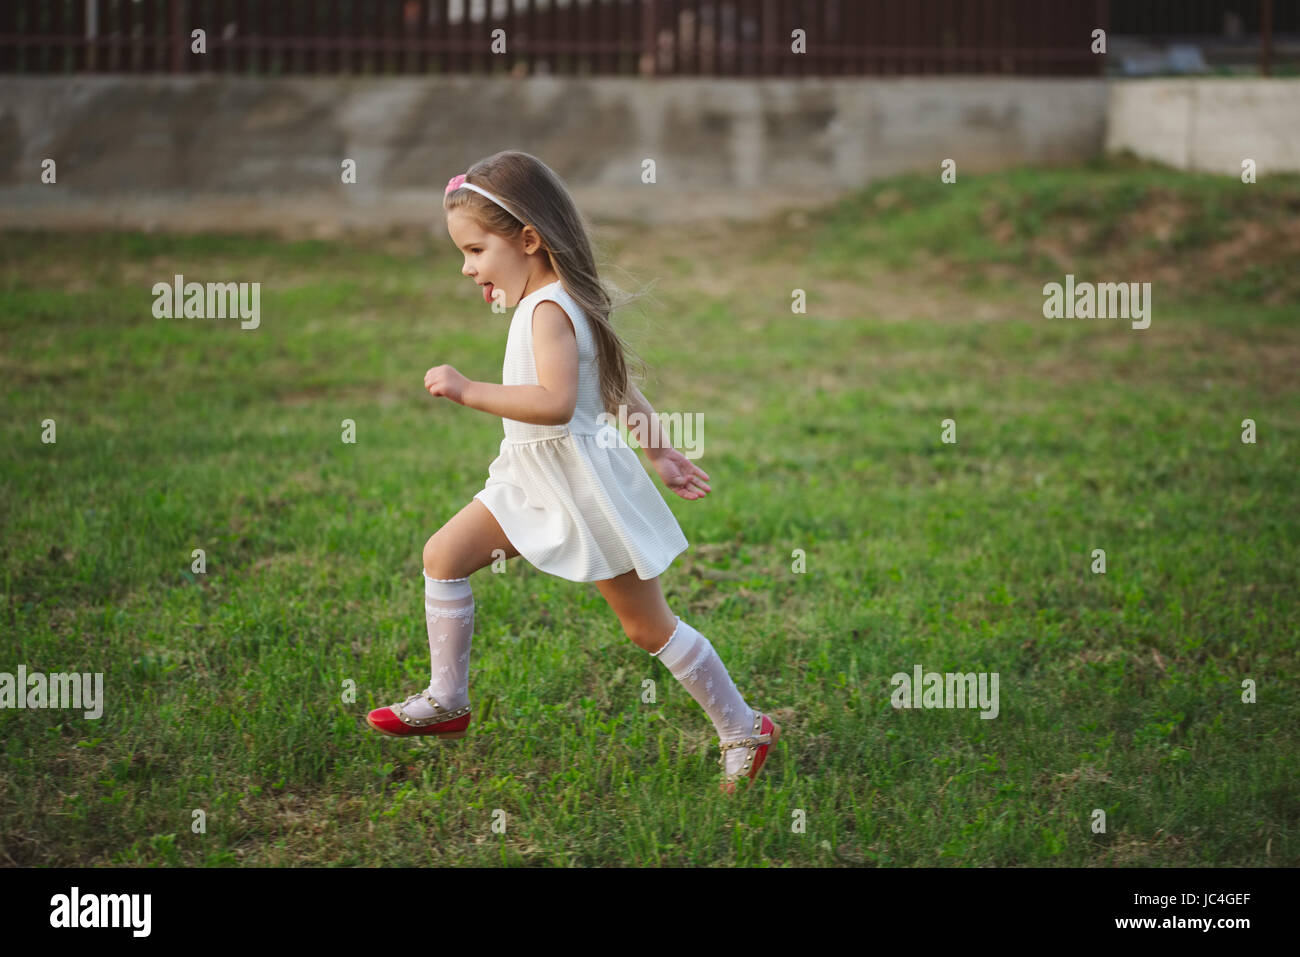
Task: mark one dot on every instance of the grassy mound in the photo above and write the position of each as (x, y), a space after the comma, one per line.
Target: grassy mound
(1193, 233)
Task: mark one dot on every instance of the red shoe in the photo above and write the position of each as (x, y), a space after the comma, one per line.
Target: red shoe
(395, 721)
(766, 733)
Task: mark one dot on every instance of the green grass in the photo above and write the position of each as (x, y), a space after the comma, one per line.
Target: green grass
(1120, 692)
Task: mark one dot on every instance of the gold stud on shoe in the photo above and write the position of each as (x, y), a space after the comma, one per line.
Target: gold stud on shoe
(753, 742)
(441, 714)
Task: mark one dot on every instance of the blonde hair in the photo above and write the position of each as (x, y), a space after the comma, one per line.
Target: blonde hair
(535, 192)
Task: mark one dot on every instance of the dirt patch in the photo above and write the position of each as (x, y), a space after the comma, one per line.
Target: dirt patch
(1159, 218)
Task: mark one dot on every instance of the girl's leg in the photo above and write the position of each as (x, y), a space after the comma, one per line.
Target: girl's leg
(461, 547)
(466, 543)
(687, 654)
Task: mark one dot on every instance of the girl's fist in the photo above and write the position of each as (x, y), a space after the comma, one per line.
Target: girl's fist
(446, 382)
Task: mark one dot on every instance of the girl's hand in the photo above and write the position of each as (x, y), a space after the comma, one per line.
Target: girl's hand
(446, 382)
(679, 473)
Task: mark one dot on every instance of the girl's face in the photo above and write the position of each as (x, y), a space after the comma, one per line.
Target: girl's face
(492, 261)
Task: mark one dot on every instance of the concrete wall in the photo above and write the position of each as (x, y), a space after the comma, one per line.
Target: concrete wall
(192, 152)
(1209, 125)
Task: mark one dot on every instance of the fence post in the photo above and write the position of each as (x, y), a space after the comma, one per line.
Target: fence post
(90, 34)
(178, 36)
(1103, 21)
(649, 38)
(1266, 37)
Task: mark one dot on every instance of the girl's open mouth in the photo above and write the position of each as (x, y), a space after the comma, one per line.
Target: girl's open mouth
(487, 292)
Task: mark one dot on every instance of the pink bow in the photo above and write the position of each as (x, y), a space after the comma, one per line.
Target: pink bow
(455, 183)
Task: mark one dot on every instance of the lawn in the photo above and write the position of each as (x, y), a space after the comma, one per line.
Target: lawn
(844, 542)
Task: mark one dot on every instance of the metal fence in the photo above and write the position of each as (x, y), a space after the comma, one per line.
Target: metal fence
(635, 37)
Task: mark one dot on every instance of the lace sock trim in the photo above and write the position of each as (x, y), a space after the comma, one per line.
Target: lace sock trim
(438, 611)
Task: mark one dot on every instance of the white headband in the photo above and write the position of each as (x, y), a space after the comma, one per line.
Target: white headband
(479, 189)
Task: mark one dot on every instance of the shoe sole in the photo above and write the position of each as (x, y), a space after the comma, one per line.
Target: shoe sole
(443, 735)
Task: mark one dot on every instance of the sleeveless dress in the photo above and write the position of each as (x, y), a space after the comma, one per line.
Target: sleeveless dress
(574, 499)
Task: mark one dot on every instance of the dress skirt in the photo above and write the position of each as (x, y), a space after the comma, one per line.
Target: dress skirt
(582, 507)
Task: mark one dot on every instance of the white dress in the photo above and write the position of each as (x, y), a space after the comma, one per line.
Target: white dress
(574, 499)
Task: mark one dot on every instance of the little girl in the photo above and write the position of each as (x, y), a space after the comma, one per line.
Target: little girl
(566, 491)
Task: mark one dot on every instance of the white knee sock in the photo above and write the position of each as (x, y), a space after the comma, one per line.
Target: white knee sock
(693, 661)
(449, 615)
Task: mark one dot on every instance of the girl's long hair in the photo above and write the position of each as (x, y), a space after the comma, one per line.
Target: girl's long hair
(538, 195)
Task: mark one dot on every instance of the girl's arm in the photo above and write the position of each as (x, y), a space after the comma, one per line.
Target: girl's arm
(679, 473)
(552, 402)
(644, 438)
(533, 404)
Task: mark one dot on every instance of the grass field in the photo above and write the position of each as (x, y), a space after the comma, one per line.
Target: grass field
(1119, 691)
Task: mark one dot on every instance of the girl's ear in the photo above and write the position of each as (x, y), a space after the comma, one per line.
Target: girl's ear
(532, 241)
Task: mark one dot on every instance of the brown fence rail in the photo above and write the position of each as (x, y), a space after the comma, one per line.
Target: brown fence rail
(671, 37)
(632, 37)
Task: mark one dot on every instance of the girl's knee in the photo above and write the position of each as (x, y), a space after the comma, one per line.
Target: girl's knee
(650, 633)
(436, 560)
